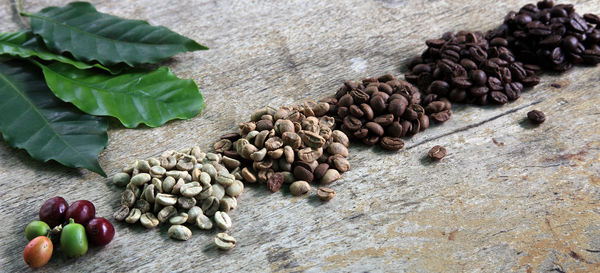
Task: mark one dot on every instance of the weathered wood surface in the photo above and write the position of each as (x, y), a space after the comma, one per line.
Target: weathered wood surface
(508, 197)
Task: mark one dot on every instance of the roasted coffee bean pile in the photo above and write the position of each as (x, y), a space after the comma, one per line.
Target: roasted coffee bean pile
(553, 36)
(466, 67)
(291, 144)
(382, 110)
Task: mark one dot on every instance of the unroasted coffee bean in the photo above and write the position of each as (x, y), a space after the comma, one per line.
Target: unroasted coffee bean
(437, 152)
(299, 188)
(210, 205)
(222, 220)
(536, 116)
(224, 241)
(121, 213)
(179, 232)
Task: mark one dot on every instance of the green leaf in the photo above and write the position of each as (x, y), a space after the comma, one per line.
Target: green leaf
(133, 97)
(25, 45)
(89, 35)
(47, 128)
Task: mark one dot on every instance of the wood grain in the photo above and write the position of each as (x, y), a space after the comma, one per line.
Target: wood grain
(508, 197)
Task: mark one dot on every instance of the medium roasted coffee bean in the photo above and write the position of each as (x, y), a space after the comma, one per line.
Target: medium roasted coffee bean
(275, 182)
(352, 123)
(377, 103)
(325, 194)
(375, 128)
(437, 152)
(392, 143)
(536, 116)
(442, 116)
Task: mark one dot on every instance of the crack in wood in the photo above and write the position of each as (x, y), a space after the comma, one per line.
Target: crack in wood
(471, 126)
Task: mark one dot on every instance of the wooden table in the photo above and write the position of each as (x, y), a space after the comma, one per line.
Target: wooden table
(508, 197)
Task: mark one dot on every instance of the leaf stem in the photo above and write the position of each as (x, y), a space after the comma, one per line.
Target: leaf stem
(18, 13)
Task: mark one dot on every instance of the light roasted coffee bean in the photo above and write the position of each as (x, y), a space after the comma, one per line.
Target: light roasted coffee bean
(224, 241)
(325, 194)
(337, 149)
(179, 232)
(299, 188)
(330, 176)
(222, 220)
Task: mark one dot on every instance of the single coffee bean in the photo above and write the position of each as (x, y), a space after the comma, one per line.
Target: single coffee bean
(375, 128)
(275, 182)
(330, 176)
(299, 188)
(303, 174)
(536, 116)
(320, 170)
(121, 179)
(210, 205)
(121, 213)
(392, 143)
(203, 222)
(222, 220)
(325, 194)
(437, 152)
(134, 216)
(179, 219)
(224, 241)
(179, 232)
(165, 213)
(148, 220)
(193, 213)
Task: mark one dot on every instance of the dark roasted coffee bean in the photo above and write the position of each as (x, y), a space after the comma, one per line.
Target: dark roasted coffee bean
(513, 90)
(457, 95)
(495, 83)
(355, 111)
(577, 23)
(377, 103)
(374, 128)
(498, 97)
(478, 77)
(368, 112)
(437, 43)
(429, 99)
(591, 56)
(439, 87)
(392, 143)
(384, 120)
(461, 83)
(421, 68)
(361, 133)
(499, 41)
(536, 116)
(437, 152)
(477, 54)
(531, 81)
(350, 85)
(517, 71)
(345, 101)
(468, 64)
(478, 91)
(352, 123)
(394, 130)
(592, 18)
